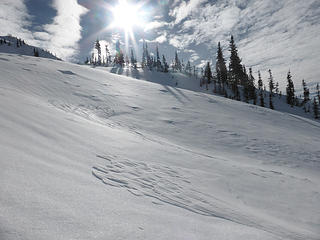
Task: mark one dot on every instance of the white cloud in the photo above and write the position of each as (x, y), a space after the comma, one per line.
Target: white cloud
(161, 39)
(270, 34)
(155, 25)
(65, 30)
(59, 37)
(14, 19)
(184, 9)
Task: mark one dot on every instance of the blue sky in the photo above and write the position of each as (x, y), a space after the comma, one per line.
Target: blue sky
(280, 35)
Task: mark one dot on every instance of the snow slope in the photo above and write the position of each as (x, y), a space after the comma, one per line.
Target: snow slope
(86, 154)
(182, 80)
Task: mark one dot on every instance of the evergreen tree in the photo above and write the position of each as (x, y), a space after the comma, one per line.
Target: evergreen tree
(290, 90)
(316, 108)
(260, 88)
(202, 77)
(235, 67)
(277, 88)
(119, 58)
(207, 75)
(318, 92)
(158, 62)
(221, 69)
(148, 58)
(127, 60)
(252, 88)
(188, 68)
(270, 101)
(35, 52)
(98, 48)
(133, 60)
(107, 55)
(306, 94)
(144, 57)
(165, 64)
(246, 87)
(271, 83)
(177, 63)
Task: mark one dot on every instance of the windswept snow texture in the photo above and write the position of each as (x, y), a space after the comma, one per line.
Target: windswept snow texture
(87, 154)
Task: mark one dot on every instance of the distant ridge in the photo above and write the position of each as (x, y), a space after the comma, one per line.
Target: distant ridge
(10, 44)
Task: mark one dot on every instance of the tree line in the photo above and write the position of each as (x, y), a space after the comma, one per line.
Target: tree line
(235, 81)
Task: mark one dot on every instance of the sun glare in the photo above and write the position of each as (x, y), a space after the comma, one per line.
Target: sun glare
(126, 15)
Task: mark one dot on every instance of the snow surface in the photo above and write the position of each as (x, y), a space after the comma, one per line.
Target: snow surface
(86, 154)
(184, 81)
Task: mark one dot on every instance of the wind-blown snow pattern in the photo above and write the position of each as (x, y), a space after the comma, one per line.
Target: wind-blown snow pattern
(87, 154)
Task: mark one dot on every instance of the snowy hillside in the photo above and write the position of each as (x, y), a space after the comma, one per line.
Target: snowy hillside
(9, 44)
(86, 154)
(185, 81)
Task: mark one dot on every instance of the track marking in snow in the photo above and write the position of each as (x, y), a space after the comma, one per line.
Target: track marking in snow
(167, 185)
(67, 72)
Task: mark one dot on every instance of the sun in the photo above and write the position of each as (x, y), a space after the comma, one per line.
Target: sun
(126, 15)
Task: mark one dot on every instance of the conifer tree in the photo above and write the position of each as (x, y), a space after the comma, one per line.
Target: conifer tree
(165, 64)
(260, 88)
(35, 52)
(306, 95)
(290, 90)
(98, 48)
(235, 67)
(221, 69)
(277, 88)
(133, 60)
(144, 57)
(188, 68)
(270, 101)
(177, 63)
(246, 86)
(148, 58)
(207, 75)
(271, 83)
(316, 108)
(252, 88)
(318, 92)
(107, 55)
(158, 62)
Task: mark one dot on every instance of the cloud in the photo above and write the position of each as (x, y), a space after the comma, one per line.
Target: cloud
(270, 34)
(184, 9)
(65, 30)
(14, 19)
(161, 39)
(155, 25)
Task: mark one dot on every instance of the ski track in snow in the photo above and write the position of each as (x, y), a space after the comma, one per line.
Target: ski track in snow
(172, 186)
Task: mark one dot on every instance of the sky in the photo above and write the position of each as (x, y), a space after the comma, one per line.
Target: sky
(270, 34)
